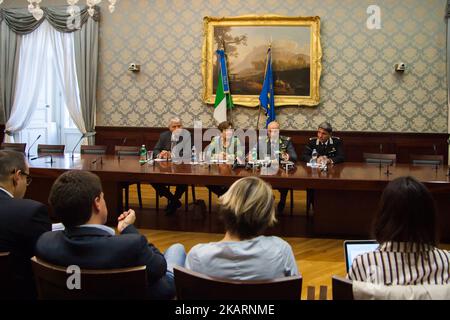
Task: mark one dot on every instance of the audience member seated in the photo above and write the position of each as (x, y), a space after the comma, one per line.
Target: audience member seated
(224, 148)
(163, 150)
(22, 221)
(247, 209)
(78, 201)
(406, 228)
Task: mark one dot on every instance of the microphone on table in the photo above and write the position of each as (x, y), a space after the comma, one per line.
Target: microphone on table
(123, 143)
(381, 151)
(84, 135)
(96, 160)
(29, 148)
(435, 153)
(43, 156)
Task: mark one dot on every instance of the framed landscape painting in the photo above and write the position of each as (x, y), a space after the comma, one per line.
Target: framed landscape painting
(296, 58)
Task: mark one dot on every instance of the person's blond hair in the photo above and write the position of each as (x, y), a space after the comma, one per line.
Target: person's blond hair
(247, 208)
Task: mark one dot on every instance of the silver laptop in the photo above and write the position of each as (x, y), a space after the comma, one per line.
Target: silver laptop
(353, 248)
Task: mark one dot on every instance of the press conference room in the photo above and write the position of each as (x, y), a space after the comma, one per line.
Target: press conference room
(224, 150)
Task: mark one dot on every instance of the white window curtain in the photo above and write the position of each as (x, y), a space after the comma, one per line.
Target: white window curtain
(32, 68)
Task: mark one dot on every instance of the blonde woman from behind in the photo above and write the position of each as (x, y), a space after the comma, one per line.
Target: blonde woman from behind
(247, 209)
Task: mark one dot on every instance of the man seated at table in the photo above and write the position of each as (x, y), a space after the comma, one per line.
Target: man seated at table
(329, 149)
(163, 150)
(77, 199)
(286, 152)
(22, 221)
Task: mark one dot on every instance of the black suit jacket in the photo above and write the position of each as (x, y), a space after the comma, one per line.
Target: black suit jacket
(93, 248)
(165, 143)
(22, 221)
(334, 149)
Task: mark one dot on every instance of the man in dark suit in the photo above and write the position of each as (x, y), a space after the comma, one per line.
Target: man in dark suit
(22, 221)
(78, 201)
(163, 150)
(330, 149)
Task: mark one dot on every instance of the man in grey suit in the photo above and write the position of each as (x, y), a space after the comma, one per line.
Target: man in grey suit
(163, 150)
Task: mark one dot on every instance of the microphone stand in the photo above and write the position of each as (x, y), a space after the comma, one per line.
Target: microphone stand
(85, 135)
(99, 158)
(387, 170)
(29, 148)
(73, 150)
(43, 156)
(437, 163)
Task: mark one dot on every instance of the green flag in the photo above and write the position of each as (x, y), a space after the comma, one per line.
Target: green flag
(223, 96)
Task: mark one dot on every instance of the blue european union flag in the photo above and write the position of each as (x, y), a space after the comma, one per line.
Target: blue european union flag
(223, 69)
(266, 98)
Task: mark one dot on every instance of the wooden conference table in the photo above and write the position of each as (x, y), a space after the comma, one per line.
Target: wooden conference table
(345, 197)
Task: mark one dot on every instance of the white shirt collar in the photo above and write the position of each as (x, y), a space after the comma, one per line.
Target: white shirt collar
(101, 227)
(7, 192)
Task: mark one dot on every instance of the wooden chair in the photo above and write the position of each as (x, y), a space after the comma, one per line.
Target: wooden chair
(20, 147)
(5, 277)
(94, 149)
(342, 288)
(53, 149)
(192, 285)
(124, 283)
(123, 151)
(311, 293)
(380, 158)
(426, 159)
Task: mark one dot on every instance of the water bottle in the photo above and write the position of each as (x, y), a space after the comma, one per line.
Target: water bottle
(143, 154)
(254, 154)
(194, 155)
(313, 160)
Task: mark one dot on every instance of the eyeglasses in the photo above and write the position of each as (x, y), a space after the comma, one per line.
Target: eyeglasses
(27, 175)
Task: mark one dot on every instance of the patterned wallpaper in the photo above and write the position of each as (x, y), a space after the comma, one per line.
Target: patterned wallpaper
(359, 89)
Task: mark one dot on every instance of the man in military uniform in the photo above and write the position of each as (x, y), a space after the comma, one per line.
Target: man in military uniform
(329, 149)
(286, 152)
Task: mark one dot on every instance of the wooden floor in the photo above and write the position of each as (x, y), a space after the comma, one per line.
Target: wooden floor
(317, 259)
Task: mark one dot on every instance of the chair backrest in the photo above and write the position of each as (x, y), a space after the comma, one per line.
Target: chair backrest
(426, 159)
(192, 285)
(5, 276)
(126, 150)
(383, 158)
(50, 149)
(124, 283)
(95, 149)
(20, 147)
(342, 288)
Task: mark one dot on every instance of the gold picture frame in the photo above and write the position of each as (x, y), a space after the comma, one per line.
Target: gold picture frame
(295, 43)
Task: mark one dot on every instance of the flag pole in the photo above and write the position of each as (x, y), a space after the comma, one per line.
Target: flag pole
(228, 93)
(265, 71)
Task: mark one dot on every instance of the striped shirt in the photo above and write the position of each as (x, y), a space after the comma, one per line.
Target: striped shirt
(402, 263)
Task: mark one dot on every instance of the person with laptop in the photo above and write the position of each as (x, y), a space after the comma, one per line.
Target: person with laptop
(405, 226)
